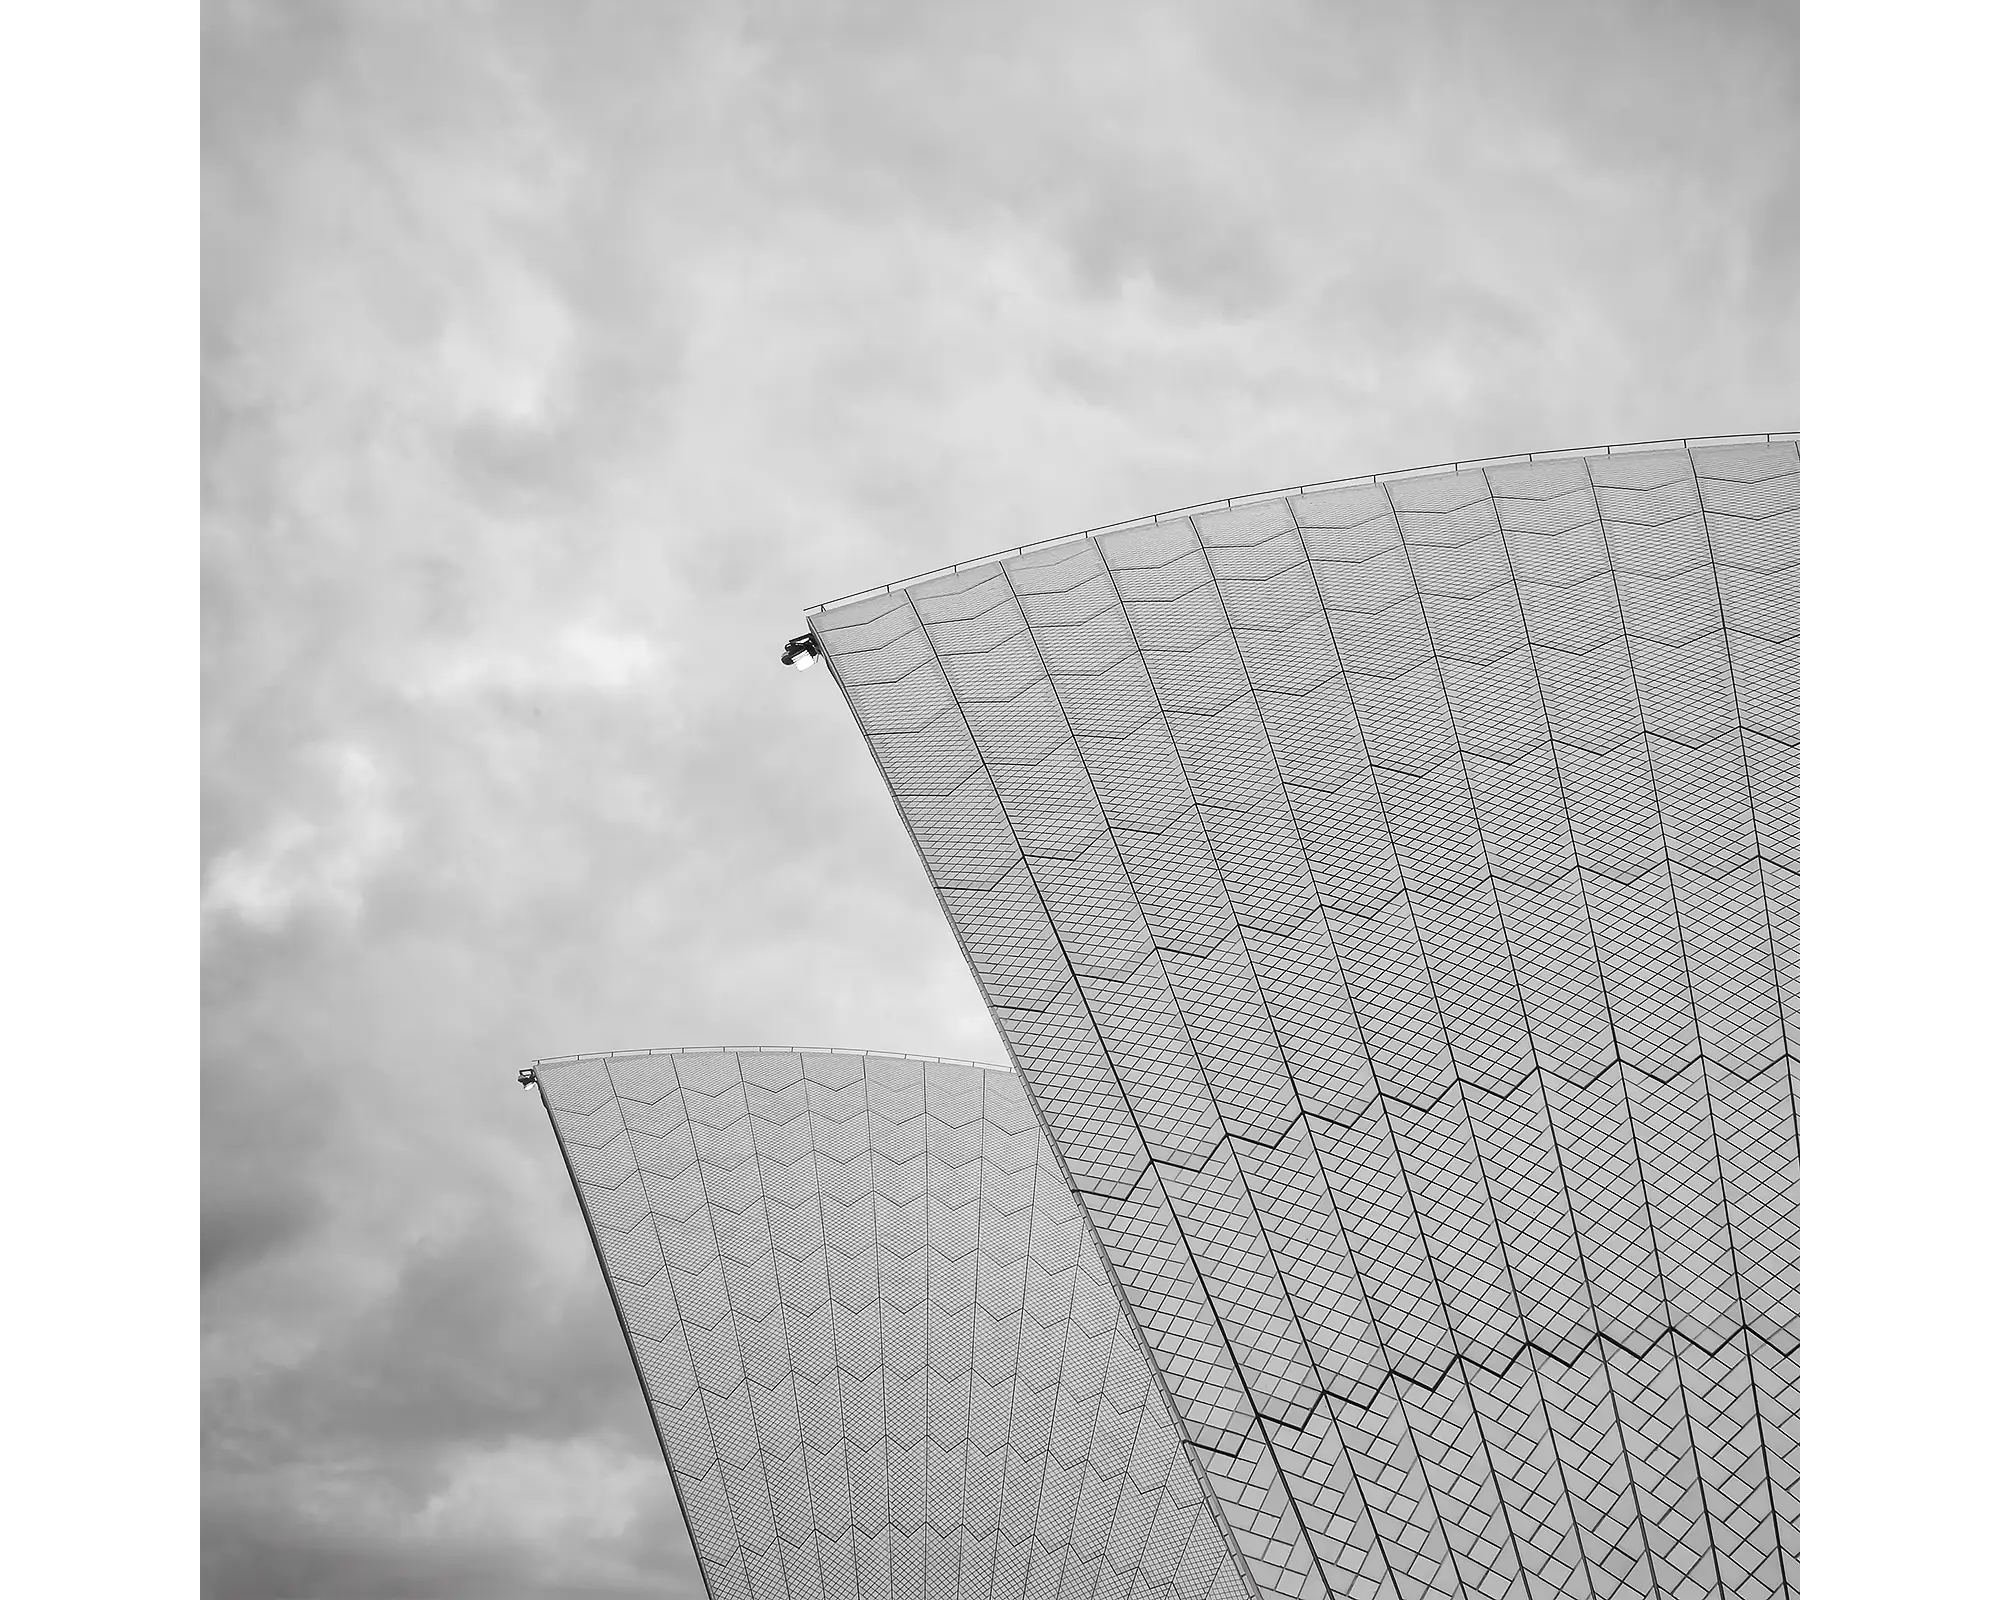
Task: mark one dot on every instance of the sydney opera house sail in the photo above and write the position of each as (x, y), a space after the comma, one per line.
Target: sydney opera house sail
(1388, 895)
(877, 1339)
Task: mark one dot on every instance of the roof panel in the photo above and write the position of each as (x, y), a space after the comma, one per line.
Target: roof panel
(1500, 1302)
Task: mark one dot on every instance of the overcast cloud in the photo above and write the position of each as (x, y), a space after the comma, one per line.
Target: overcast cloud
(557, 356)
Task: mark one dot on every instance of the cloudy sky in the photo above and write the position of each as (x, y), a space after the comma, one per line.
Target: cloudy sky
(556, 357)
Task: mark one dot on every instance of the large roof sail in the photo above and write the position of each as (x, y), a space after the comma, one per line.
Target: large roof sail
(1388, 895)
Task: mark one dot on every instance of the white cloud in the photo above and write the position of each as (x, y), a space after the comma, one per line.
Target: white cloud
(579, 659)
(302, 862)
(505, 349)
(573, 1493)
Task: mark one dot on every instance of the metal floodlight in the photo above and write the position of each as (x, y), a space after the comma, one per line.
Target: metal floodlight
(799, 652)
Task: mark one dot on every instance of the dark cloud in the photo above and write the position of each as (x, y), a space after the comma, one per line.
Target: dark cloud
(297, 1536)
(474, 1342)
(556, 358)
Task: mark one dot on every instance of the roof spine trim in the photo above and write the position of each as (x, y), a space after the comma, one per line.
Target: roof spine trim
(1782, 435)
(767, 1050)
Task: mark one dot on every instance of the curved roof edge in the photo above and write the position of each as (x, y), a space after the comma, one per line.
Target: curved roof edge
(1711, 440)
(767, 1050)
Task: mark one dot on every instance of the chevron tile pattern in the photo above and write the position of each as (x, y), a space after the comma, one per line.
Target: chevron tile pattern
(1389, 897)
(879, 1344)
